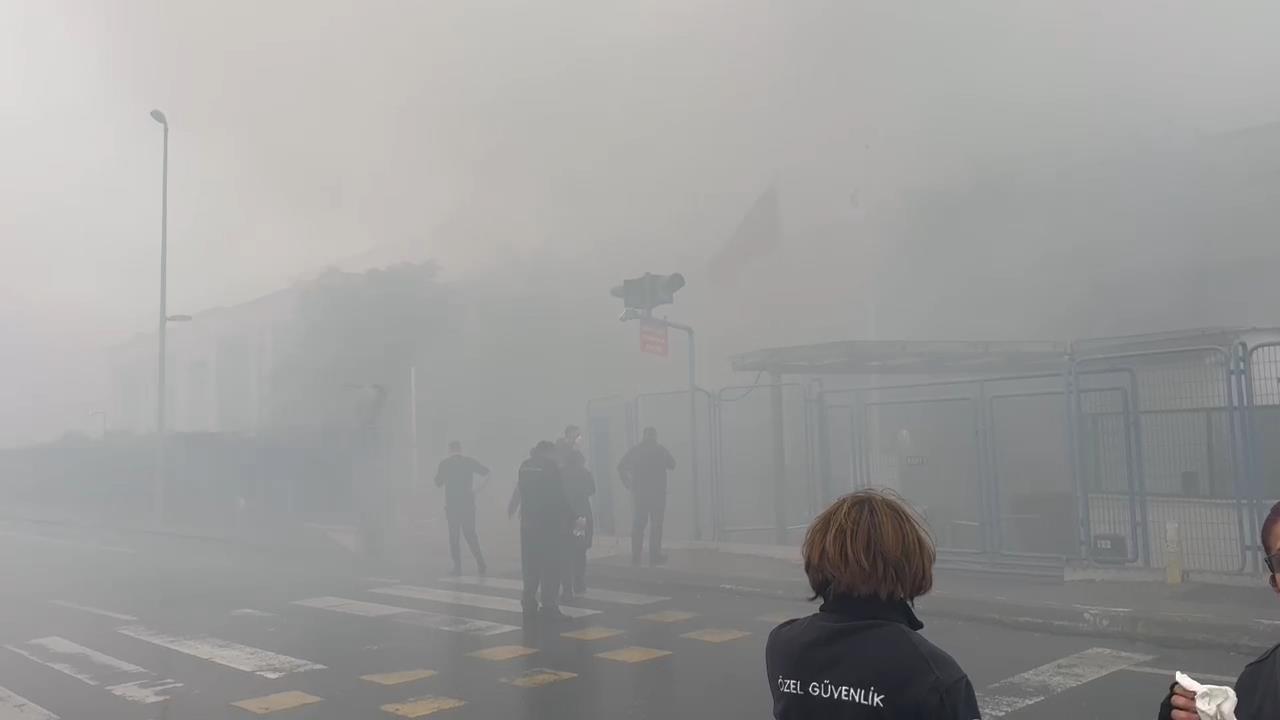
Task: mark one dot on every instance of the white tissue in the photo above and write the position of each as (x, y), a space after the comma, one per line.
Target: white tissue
(1213, 702)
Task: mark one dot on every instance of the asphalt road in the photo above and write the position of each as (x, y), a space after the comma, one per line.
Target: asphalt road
(104, 626)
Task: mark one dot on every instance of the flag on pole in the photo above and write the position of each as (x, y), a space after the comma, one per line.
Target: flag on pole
(758, 234)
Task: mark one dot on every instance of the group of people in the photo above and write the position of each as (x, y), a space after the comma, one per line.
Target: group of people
(868, 557)
(553, 495)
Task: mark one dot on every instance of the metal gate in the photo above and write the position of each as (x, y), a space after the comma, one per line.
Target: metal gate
(1188, 442)
(765, 486)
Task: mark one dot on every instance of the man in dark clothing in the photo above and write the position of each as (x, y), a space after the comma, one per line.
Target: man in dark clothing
(567, 446)
(644, 472)
(545, 519)
(455, 475)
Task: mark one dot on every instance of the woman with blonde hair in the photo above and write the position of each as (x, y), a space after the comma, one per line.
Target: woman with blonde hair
(868, 557)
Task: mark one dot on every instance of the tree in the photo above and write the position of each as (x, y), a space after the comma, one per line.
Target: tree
(353, 331)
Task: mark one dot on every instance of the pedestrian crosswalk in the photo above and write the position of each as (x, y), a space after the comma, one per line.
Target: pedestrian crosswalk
(635, 630)
(1032, 686)
(15, 707)
(254, 660)
(486, 602)
(121, 678)
(596, 594)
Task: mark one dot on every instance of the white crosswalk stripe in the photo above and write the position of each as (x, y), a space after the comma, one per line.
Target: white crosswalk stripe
(597, 594)
(15, 707)
(224, 652)
(120, 678)
(486, 602)
(1034, 685)
(420, 618)
(94, 610)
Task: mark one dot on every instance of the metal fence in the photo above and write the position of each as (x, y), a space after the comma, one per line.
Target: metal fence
(1090, 462)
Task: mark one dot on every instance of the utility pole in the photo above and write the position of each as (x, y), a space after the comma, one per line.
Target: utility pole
(639, 297)
(693, 418)
(158, 498)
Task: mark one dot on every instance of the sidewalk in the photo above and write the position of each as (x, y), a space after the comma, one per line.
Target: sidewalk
(1239, 619)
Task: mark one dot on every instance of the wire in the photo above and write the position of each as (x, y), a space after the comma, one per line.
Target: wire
(754, 384)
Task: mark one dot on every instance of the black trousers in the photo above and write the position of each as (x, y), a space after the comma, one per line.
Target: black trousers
(541, 554)
(462, 521)
(649, 509)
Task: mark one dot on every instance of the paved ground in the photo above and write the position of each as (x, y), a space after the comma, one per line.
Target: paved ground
(104, 626)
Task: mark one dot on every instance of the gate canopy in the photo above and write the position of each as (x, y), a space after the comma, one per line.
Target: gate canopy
(907, 357)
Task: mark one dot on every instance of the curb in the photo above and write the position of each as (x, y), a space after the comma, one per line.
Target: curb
(1173, 630)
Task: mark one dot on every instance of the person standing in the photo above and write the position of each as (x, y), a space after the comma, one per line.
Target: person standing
(545, 519)
(861, 655)
(644, 472)
(579, 485)
(1257, 691)
(568, 444)
(456, 474)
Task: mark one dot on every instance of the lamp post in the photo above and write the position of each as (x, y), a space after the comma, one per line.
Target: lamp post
(158, 490)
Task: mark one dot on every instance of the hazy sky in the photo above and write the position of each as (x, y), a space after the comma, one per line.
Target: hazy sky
(628, 133)
(305, 132)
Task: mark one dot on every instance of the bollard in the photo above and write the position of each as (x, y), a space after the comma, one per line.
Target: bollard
(1173, 560)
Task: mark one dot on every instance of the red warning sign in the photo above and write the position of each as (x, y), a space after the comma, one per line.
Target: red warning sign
(653, 338)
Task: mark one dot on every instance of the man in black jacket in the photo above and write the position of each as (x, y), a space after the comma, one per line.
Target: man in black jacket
(455, 474)
(545, 520)
(861, 655)
(644, 472)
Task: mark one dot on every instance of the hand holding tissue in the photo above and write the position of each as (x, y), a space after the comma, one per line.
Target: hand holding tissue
(1213, 702)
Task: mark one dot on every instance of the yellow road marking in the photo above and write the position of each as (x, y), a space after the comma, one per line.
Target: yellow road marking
(592, 633)
(715, 635)
(503, 652)
(539, 677)
(632, 654)
(396, 678)
(669, 616)
(419, 707)
(277, 702)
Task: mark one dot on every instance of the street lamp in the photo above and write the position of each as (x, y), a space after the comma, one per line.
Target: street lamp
(164, 317)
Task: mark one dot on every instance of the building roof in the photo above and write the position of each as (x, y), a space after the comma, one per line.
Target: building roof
(979, 359)
(906, 357)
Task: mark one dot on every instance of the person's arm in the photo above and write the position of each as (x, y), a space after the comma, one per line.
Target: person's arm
(957, 701)
(670, 460)
(591, 484)
(440, 474)
(482, 471)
